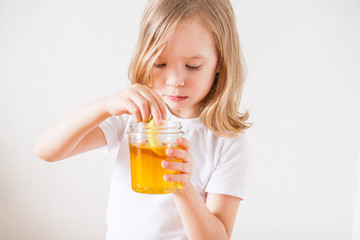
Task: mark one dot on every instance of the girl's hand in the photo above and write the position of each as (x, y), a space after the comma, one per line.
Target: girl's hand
(138, 100)
(185, 167)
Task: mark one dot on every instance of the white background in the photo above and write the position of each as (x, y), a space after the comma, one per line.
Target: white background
(303, 60)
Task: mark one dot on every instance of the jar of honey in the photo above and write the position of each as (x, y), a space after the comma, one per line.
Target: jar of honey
(147, 145)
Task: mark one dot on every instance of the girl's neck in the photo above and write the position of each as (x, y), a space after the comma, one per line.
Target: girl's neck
(185, 114)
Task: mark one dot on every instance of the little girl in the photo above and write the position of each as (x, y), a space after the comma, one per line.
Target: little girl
(187, 67)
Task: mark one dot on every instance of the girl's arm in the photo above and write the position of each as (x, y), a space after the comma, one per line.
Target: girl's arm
(73, 134)
(79, 132)
(211, 220)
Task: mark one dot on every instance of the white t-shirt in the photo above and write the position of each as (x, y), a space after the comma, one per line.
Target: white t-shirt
(220, 166)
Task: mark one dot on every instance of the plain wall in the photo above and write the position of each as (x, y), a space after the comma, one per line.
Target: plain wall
(303, 60)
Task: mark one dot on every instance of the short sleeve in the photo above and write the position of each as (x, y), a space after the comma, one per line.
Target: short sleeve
(229, 176)
(113, 129)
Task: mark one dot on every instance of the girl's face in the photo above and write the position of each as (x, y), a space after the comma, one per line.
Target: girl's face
(185, 70)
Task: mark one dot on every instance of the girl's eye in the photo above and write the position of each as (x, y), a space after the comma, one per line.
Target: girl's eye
(193, 67)
(159, 65)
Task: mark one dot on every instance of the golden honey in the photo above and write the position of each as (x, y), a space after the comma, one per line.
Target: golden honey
(146, 170)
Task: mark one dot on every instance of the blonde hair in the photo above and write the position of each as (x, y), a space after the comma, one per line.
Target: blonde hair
(219, 109)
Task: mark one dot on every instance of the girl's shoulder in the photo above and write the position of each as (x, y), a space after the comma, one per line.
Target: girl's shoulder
(236, 143)
(202, 137)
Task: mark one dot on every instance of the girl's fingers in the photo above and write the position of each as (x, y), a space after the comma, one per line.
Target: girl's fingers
(157, 104)
(181, 178)
(183, 167)
(160, 103)
(179, 154)
(133, 109)
(142, 105)
(148, 102)
(140, 101)
(184, 143)
(153, 105)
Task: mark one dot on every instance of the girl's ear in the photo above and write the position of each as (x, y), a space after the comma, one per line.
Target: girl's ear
(218, 67)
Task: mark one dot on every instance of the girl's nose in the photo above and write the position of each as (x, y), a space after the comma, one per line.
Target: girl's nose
(174, 79)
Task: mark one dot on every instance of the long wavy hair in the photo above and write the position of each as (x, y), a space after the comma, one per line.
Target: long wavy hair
(219, 110)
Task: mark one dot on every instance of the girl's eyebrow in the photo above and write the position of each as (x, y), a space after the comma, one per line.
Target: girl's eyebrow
(201, 57)
(196, 57)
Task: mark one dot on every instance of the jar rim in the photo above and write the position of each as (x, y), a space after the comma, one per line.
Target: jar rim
(166, 126)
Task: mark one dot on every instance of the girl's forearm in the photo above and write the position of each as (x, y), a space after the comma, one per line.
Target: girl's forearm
(61, 138)
(198, 221)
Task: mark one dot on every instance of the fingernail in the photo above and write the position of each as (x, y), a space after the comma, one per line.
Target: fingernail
(163, 164)
(170, 151)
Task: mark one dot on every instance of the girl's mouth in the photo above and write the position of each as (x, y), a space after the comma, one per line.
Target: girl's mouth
(176, 98)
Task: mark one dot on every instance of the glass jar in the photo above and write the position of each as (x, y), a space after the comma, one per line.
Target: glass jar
(147, 145)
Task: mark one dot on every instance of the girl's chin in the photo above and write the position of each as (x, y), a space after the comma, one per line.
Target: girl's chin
(175, 105)
(181, 110)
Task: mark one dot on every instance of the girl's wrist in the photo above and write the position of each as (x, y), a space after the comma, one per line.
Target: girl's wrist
(106, 108)
(103, 107)
(185, 191)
